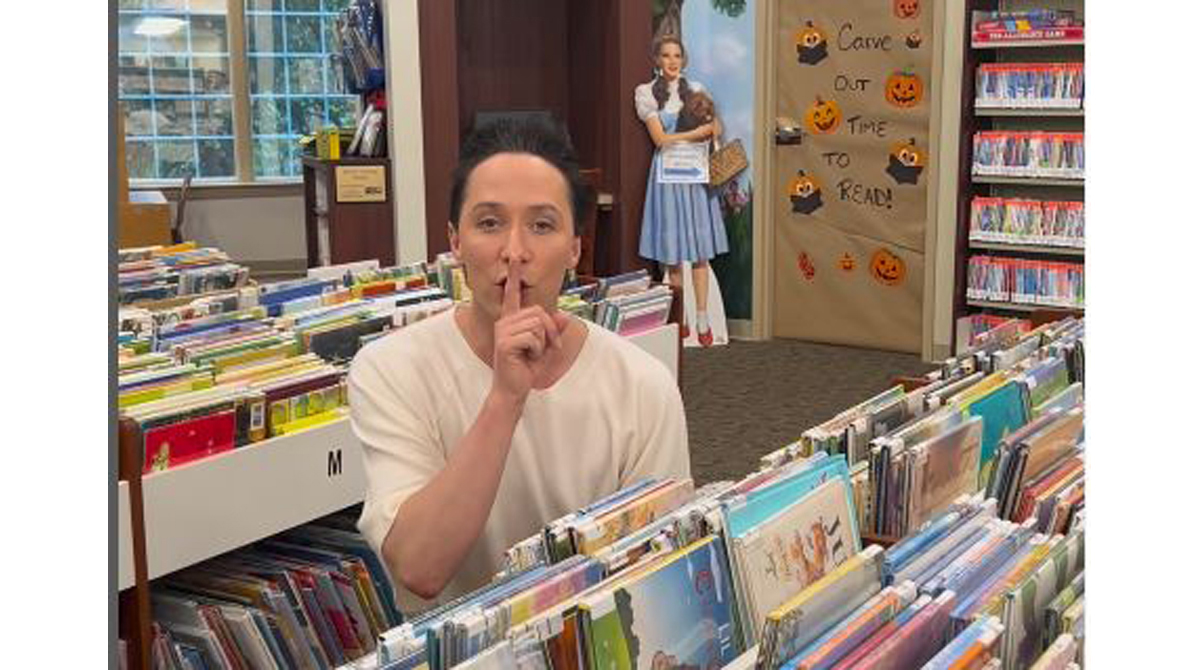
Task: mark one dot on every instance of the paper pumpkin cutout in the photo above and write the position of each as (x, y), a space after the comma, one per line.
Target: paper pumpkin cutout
(888, 268)
(806, 267)
(823, 117)
(812, 46)
(847, 262)
(903, 89)
(805, 193)
(913, 39)
(906, 162)
(906, 9)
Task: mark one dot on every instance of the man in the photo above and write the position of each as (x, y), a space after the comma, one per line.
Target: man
(482, 423)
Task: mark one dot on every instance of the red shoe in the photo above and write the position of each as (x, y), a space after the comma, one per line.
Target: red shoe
(684, 331)
(706, 338)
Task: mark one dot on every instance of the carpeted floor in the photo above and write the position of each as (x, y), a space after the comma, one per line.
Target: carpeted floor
(748, 398)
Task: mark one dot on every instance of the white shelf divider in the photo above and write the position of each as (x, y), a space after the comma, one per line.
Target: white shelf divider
(203, 509)
(663, 344)
(1028, 111)
(1028, 44)
(1050, 249)
(124, 538)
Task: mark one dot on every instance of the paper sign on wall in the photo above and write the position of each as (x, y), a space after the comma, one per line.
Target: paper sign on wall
(361, 183)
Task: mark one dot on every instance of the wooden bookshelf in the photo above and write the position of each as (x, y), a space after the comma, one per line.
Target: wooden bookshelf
(206, 508)
(1045, 249)
(124, 538)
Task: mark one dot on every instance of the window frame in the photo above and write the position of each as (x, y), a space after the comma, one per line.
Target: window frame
(244, 182)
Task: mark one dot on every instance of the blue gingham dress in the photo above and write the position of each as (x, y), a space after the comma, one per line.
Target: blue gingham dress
(680, 222)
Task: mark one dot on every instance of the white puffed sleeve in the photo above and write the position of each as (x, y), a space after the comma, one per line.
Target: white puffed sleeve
(644, 102)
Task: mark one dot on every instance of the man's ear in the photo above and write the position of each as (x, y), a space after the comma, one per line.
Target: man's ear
(576, 251)
(452, 234)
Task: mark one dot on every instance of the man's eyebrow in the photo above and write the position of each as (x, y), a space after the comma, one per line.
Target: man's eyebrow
(486, 205)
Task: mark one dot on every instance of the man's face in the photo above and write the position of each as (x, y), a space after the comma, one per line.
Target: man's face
(516, 210)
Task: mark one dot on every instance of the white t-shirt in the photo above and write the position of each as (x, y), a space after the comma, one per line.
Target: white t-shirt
(613, 418)
(647, 106)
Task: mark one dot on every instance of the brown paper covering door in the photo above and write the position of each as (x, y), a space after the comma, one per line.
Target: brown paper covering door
(849, 200)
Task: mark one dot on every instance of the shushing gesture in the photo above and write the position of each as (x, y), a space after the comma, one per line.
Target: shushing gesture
(528, 341)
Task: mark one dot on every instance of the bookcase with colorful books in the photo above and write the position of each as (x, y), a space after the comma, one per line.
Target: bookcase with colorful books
(233, 429)
(1020, 247)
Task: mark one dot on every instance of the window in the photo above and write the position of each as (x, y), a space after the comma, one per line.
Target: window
(183, 79)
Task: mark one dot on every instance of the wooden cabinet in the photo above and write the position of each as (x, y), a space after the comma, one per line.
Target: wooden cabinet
(348, 211)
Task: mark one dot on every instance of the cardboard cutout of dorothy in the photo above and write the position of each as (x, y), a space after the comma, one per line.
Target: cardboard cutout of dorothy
(682, 225)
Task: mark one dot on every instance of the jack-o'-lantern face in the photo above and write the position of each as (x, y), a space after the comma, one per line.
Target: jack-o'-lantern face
(803, 185)
(908, 154)
(903, 89)
(823, 117)
(810, 37)
(847, 262)
(907, 9)
(887, 268)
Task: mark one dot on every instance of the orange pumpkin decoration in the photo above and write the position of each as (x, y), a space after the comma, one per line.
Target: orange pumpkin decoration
(811, 44)
(823, 117)
(887, 268)
(810, 37)
(803, 185)
(908, 154)
(903, 89)
(847, 262)
(907, 9)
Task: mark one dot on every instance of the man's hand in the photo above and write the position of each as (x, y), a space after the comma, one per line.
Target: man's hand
(522, 337)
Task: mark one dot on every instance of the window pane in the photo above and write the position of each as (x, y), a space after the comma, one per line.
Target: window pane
(169, 34)
(209, 34)
(171, 74)
(304, 5)
(176, 159)
(269, 116)
(133, 75)
(214, 116)
(264, 33)
(267, 75)
(139, 159)
(167, 96)
(308, 114)
(210, 74)
(139, 117)
(304, 74)
(174, 117)
(216, 158)
(333, 42)
(128, 40)
(274, 157)
(304, 34)
(264, 5)
(343, 112)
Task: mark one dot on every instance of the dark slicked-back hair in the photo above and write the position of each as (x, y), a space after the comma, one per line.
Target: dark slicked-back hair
(521, 136)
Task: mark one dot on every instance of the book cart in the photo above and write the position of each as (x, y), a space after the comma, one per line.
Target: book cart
(982, 115)
(178, 517)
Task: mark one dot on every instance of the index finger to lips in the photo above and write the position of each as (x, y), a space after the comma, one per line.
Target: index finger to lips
(512, 291)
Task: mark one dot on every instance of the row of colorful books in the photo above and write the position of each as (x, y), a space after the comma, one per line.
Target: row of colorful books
(1010, 153)
(220, 371)
(1025, 25)
(1026, 282)
(773, 566)
(976, 325)
(1024, 221)
(1029, 86)
(163, 272)
(627, 303)
(313, 597)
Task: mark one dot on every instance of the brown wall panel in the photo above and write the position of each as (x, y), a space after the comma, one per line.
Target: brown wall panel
(439, 112)
(633, 36)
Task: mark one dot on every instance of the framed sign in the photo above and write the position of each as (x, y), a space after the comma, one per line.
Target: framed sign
(360, 183)
(684, 163)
